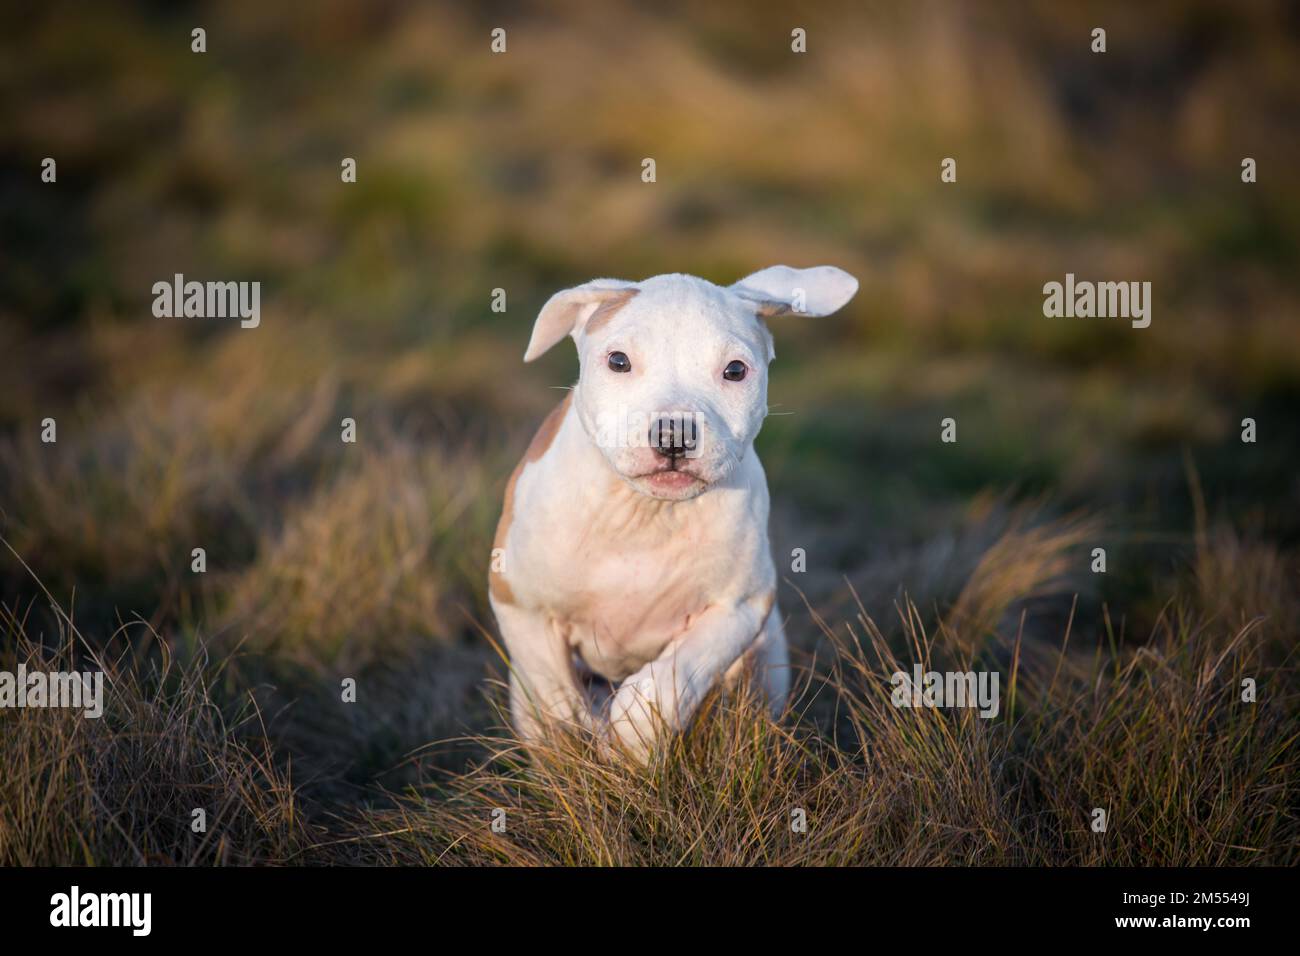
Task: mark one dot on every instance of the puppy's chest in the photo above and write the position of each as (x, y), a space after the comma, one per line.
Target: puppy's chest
(617, 627)
(620, 598)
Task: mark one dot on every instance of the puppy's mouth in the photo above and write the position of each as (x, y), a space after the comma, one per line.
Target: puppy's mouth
(669, 481)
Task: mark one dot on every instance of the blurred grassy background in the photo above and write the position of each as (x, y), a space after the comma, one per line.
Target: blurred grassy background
(522, 171)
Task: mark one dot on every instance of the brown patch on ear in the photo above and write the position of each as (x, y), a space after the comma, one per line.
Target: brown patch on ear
(607, 309)
(766, 310)
(498, 586)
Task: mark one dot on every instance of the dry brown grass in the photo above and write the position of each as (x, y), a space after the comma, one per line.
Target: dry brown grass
(1157, 736)
(120, 789)
(353, 573)
(368, 561)
(1187, 773)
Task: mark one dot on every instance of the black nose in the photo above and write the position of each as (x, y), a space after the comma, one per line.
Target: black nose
(672, 436)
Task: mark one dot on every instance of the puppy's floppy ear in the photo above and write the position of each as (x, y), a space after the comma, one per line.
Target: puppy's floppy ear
(565, 313)
(820, 290)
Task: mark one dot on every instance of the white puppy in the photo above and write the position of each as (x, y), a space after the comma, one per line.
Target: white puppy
(632, 548)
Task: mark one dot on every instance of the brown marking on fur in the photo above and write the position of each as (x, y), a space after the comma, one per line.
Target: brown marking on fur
(767, 310)
(547, 431)
(498, 586)
(607, 310)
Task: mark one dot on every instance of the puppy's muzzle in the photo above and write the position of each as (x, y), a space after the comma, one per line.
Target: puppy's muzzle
(675, 436)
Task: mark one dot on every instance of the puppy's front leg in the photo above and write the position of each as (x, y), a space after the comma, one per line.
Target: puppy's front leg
(663, 695)
(543, 685)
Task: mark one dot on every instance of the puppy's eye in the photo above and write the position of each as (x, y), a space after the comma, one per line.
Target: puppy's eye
(735, 371)
(619, 362)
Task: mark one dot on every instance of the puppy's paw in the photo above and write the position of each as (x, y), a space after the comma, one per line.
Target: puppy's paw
(639, 713)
